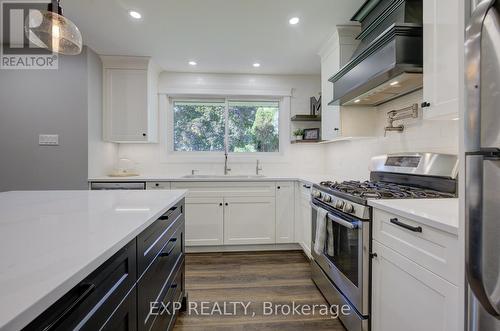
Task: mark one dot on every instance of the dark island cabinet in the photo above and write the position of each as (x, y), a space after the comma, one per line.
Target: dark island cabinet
(133, 290)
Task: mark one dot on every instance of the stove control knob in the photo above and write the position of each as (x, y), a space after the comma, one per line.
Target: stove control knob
(348, 208)
(317, 194)
(339, 204)
(327, 198)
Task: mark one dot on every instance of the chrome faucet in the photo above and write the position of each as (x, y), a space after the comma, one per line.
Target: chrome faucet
(226, 168)
(258, 168)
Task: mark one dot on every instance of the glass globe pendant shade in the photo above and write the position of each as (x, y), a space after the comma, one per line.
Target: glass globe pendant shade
(53, 31)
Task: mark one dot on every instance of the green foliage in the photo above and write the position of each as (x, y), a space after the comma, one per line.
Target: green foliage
(298, 132)
(251, 127)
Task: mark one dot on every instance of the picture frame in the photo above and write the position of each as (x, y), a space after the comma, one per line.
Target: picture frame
(311, 134)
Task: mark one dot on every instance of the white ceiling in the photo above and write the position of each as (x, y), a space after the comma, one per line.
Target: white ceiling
(224, 36)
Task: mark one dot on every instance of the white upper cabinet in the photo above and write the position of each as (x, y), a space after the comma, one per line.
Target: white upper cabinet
(442, 46)
(130, 109)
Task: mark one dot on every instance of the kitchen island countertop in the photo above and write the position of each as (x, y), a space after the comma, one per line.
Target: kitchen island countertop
(52, 240)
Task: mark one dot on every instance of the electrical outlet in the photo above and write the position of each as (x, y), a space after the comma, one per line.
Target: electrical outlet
(48, 140)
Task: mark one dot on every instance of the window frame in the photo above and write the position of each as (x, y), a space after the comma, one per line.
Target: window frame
(209, 156)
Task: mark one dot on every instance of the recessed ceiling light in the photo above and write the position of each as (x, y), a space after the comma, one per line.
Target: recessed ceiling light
(192, 63)
(294, 20)
(394, 83)
(135, 14)
(357, 100)
(256, 65)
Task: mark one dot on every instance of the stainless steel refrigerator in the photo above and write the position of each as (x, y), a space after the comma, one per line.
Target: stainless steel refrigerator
(482, 191)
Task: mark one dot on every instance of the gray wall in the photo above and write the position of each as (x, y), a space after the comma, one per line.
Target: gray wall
(34, 102)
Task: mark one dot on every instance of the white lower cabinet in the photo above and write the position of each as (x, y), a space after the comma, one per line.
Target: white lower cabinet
(285, 212)
(303, 213)
(249, 220)
(407, 296)
(204, 221)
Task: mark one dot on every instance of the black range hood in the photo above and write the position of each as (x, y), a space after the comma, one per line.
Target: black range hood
(388, 62)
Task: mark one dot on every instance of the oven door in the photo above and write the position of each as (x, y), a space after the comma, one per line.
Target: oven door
(345, 255)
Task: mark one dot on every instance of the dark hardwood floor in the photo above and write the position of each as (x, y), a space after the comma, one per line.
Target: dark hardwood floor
(252, 278)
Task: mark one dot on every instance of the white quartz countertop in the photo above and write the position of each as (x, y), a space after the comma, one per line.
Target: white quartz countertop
(441, 214)
(311, 179)
(52, 240)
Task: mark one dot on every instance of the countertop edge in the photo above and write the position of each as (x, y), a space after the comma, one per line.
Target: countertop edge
(180, 179)
(38, 307)
(453, 230)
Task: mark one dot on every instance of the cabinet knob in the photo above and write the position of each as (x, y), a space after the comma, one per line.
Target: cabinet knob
(157, 184)
(373, 255)
(425, 104)
(227, 204)
(335, 129)
(144, 135)
(279, 187)
(220, 204)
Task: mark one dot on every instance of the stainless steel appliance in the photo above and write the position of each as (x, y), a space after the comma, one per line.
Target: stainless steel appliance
(482, 175)
(341, 268)
(118, 186)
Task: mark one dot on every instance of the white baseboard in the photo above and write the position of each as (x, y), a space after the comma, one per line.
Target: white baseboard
(243, 248)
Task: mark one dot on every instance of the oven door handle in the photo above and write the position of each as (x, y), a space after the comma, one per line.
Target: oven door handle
(336, 219)
(342, 222)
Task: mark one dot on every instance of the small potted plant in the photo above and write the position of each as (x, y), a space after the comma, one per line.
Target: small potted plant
(299, 134)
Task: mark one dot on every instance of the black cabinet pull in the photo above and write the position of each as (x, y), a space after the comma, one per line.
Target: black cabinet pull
(173, 285)
(279, 187)
(59, 319)
(306, 186)
(220, 204)
(144, 135)
(425, 104)
(157, 184)
(406, 226)
(373, 255)
(335, 129)
(227, 204)
(173, 240)
(165, 217)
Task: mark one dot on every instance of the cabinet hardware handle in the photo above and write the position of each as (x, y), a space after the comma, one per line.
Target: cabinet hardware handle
(165, 217)
(306, 186)
(144, 135)
(220, 204)
(279, 187)
(157, 184)
(406, 226)
(227, 204)
(89, 289)
(163, 254)
(425, 104)
(335, 129)
(173, 285)
(373, 255)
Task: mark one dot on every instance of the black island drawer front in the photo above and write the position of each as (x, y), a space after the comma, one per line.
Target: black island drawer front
(172, 298)
(151, 240)
(90, 304)
(155, 281)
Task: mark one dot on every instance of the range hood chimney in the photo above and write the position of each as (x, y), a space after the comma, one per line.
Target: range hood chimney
(388, 62)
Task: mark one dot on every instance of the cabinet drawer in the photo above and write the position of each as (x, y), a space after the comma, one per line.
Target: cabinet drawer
(89, 304)
(172, 299)
(158, 186)
(151, 240)
(155, 280)
(125, 316)
(432, 249)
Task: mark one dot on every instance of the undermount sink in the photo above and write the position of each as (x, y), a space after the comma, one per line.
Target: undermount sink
(223, 176)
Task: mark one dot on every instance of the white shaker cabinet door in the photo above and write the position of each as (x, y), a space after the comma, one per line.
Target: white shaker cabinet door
(285, 212)
(442, 38)
(409, 297)
(126, 105)
(204, 221)
(249, 220)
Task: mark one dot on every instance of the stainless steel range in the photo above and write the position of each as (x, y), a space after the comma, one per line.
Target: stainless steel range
(341, 241)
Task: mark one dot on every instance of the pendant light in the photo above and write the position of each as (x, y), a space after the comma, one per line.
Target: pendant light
(50, 29)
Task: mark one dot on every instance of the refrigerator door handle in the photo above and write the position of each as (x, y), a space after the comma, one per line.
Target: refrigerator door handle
(473, 35)
(476, 234)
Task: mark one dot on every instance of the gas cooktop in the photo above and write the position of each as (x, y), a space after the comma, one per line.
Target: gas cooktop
(381, 190)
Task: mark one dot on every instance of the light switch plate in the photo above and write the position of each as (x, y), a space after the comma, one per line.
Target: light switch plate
(48, 140)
